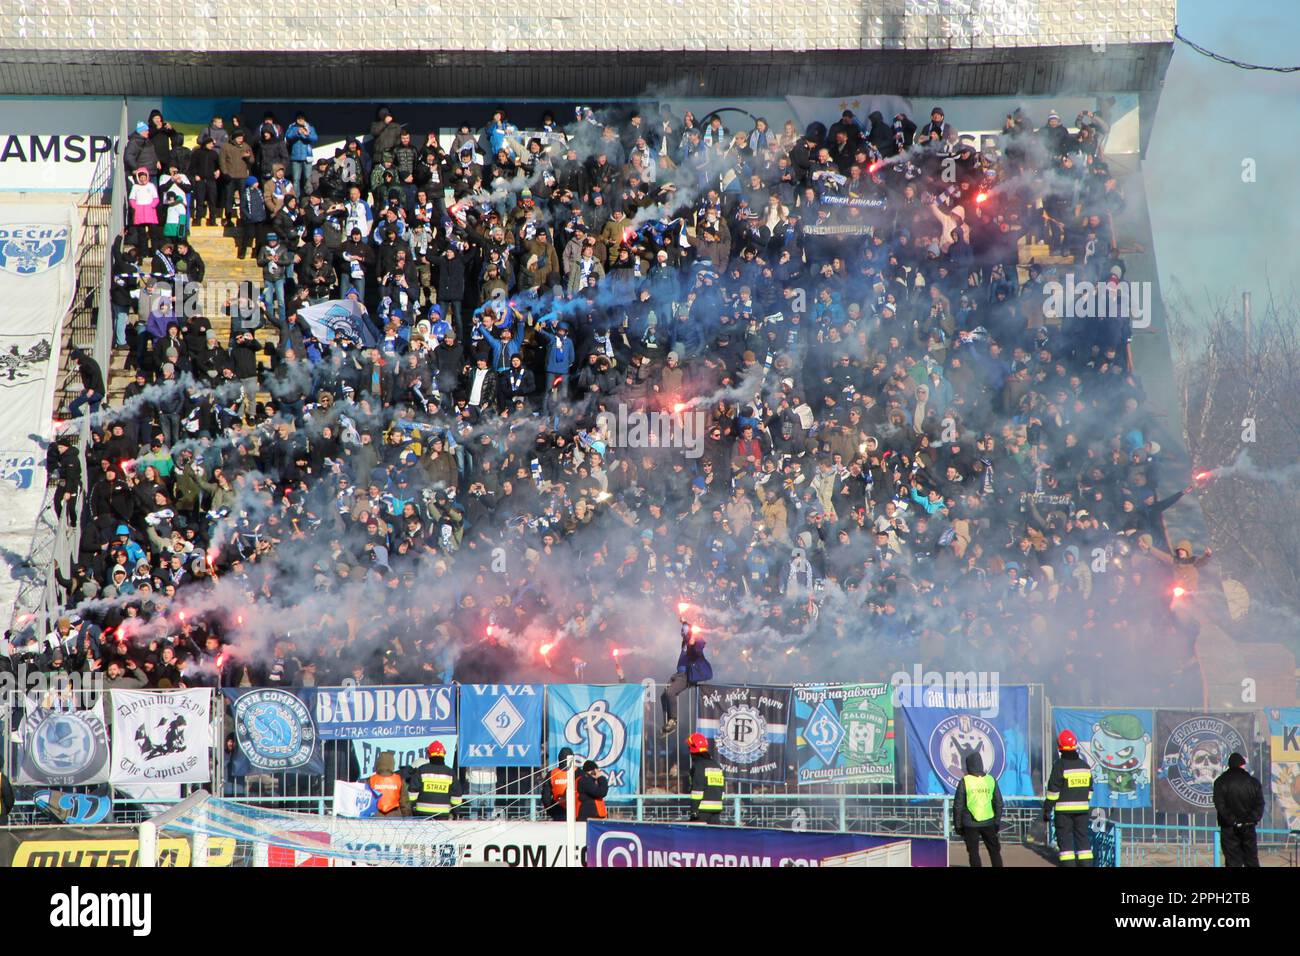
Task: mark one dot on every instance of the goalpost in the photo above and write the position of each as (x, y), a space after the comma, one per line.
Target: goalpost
(205, 830)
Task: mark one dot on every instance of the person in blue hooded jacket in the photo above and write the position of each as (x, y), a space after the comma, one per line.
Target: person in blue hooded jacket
(560, 357)
(301, 137)
(693, 668)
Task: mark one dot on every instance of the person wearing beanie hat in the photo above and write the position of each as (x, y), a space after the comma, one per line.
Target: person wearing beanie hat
(1239, 803)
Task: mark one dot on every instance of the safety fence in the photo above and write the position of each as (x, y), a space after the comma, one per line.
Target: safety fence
(1123, 844)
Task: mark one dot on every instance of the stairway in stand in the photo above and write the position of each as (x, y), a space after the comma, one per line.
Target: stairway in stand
(224, 271)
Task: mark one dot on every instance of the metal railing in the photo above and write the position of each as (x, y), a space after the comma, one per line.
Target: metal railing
(1118, 845)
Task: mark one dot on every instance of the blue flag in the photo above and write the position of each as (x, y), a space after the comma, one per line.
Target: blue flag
(1117, 745)
(339, 319)
(600, 723)
(940, 738)
(501, 725)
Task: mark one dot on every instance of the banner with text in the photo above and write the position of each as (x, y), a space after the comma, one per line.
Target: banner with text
(274, 731)
(407, 751)
(845, 733)
(1193, 751)
(62, 746)
(1117, 745)
(346, 713)
(621, 844)
(38, 252)
(748, 726)
(600, 722)
(940, 738)
(501, 725)
(1284, 749)
(161, 736)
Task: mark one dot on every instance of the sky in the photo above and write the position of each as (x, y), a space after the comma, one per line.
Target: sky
(1216, 235)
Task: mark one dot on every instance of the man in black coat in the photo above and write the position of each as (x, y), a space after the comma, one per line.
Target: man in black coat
(1239, 802)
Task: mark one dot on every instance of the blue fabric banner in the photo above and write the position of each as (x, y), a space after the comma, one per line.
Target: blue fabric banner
(501, 725)
(1117, 745)
(275, 731)
(598, 722)
(940, 738)
(620, 844)
(352, 713)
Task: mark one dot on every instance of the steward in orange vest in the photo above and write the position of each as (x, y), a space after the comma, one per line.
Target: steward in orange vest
(388, 785)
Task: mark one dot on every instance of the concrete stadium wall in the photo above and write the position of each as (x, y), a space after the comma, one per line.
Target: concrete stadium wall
(501, 26)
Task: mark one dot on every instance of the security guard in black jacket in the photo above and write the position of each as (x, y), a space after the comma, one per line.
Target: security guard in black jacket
(434, 789)
(1239, 802)
(1069, 794)
(707, 781)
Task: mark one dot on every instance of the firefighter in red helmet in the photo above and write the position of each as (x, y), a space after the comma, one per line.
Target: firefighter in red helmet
(1069, 797)
(707, 781)
(434, 789)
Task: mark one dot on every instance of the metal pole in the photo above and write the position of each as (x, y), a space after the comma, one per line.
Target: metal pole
(570, 815)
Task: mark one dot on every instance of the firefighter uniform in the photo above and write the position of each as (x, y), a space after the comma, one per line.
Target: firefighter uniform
(1069, 796)
(435, 791)
(707, 784)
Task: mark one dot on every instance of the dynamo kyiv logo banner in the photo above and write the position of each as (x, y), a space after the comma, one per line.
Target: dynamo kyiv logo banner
(598, 722)
(275, 731)
(501, 725)
(939, 739)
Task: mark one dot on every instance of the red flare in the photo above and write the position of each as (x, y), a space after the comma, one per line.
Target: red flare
(239, 620)
(981, 197)
(871, 170)
(679, 407)
(1179, 591)
(546, 648)
(221, 660)
(1202, 475)
(615, 652)
(182, 617)
(682, 607)
(695, 629)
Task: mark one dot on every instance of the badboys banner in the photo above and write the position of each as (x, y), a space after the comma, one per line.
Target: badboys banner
(275, 731)
(63, 746)
(748, 726)
(1193, 751)
(619, 844)
(501, 725)
(597, 722)
(1117, 745)
(1284, 748)
(348, 713)
(845, 733)
(161, 736)
(940, 738)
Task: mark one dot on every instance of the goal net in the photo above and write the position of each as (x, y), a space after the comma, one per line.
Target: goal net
(204, 830)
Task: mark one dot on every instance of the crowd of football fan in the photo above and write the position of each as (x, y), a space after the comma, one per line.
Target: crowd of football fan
(902, 459)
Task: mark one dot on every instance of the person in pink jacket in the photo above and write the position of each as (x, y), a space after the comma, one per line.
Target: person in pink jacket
(144, 200)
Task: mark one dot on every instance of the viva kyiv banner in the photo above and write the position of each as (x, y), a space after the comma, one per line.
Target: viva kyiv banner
(748, 726)
(275, 731)
(501, 725)
(1117, 745)
(845, 733)
(940, 738)
(597, 722)
(1284, 748)
(1193, 750)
